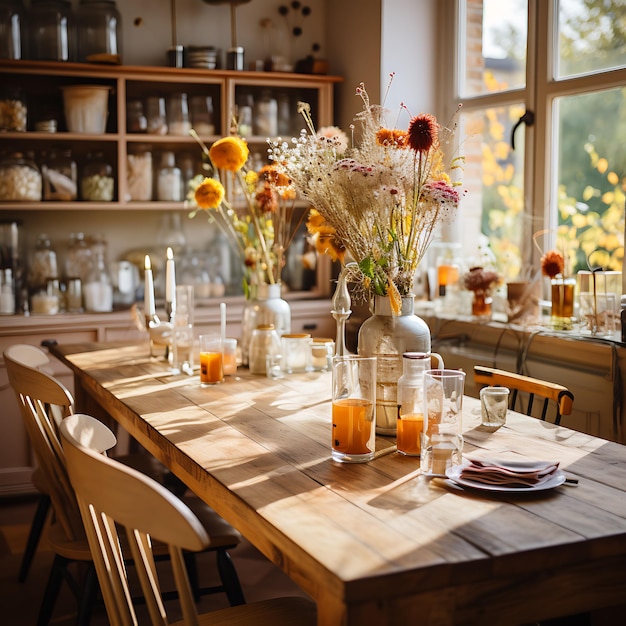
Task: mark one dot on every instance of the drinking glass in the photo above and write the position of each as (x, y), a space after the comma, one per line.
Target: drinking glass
(353, 402)
(229, 356)
(211, 360)
(442, 439)
(494, 403)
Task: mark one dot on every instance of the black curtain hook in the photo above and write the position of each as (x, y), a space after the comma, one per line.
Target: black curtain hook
(528, 118)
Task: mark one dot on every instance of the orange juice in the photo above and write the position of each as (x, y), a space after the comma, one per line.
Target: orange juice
(211, 368)
(351, 427)
(410, 427)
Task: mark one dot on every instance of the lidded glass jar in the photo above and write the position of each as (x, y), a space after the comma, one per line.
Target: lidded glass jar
(78, 257)
(97, 183)
(43, 265)
(265, 342)
(12, 29)
(169, 180)
(136, 121)
(59, 176)
(13, 109)
(20, 178)
(99, 27)
(139, 173)
(51, 24)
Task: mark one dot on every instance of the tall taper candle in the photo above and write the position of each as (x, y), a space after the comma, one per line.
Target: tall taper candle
(170, 282)
(148, 297)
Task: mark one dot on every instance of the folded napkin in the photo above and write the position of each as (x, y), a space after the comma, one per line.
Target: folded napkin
(509, 473)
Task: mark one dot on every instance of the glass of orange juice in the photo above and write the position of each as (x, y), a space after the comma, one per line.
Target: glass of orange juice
(353, 402)
(211, 360)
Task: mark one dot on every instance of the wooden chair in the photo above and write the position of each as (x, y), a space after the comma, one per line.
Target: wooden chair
(562, 398)
(147, 511)
(44, 403)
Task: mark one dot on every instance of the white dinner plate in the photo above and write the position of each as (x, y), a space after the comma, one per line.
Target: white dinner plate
(454, 474)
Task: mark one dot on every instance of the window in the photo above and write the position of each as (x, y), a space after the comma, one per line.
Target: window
(564, 182)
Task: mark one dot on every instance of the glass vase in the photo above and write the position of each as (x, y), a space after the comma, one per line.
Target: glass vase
(265, 306)
(388, 337)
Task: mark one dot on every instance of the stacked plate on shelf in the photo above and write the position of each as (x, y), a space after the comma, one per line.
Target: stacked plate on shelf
(206, 57)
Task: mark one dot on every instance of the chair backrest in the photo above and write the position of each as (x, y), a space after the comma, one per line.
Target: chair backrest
(44, 402)
(562, 397)
(144, 508)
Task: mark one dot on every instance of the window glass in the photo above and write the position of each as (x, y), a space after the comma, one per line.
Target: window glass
(494, 36)
(494, 178)
(592, 36)
(591, 177)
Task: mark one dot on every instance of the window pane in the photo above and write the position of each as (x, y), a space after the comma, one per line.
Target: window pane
(494, 58)
(494, 178)
(592, 177)
(592, 36)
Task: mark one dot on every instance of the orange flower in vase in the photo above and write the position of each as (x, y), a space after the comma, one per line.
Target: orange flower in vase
(562, 289)
(480, 282)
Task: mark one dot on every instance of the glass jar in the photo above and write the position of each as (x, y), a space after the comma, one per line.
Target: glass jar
(169, 179)
(139, 173)
(178, 114)
(97, 183)
(202, 114)
(13, 109)
(43, 265)
(20, 179)
(51, 24)
(59, 176)
(264, 342)
(12, 27)
(99, 27)
(98, 288)
(78, 257)
(155, 114)
(266, 116)
(136, 121)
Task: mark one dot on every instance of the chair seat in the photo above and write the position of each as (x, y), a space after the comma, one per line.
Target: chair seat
(274, 612)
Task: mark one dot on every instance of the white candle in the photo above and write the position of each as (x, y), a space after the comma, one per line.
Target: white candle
(170, 278)
(148, 297)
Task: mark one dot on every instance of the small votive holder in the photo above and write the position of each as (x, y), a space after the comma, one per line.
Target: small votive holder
(296, 352)
(274, 365)
(494, 403)
(322, 351)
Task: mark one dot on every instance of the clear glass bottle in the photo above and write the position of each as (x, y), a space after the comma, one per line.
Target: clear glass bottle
(99, 28)
(169, 179)
(78, 257)
(51, 25)
(59, 176)
(12, 30)
(98, 288)
(245, 109)
(97, 183)
(411, 402)
(20, 178)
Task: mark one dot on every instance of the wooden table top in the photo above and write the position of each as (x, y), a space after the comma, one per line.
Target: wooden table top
(376, 543)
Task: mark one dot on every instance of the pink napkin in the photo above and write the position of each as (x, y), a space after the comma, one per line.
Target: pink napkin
(509, 473)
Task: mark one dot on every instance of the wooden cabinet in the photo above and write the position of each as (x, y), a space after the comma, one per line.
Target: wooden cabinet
(127, 223)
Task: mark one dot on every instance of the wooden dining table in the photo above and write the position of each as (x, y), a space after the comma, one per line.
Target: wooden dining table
(377, 542)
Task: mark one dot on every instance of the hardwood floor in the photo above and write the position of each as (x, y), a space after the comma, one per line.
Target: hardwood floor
(19, 602)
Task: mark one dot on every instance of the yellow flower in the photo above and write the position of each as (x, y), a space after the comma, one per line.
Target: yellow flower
(209, 194)
(229, 153)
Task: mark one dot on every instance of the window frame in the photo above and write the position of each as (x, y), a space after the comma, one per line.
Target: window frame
(539, 95)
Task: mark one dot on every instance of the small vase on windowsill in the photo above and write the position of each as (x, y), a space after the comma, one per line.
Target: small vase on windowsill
(562, 289)
(481, 304)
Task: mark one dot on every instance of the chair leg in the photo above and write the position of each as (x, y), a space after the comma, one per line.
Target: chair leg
(88, 597)
(230, 578)
(57, 574)
(192, 572)
(36, 528)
